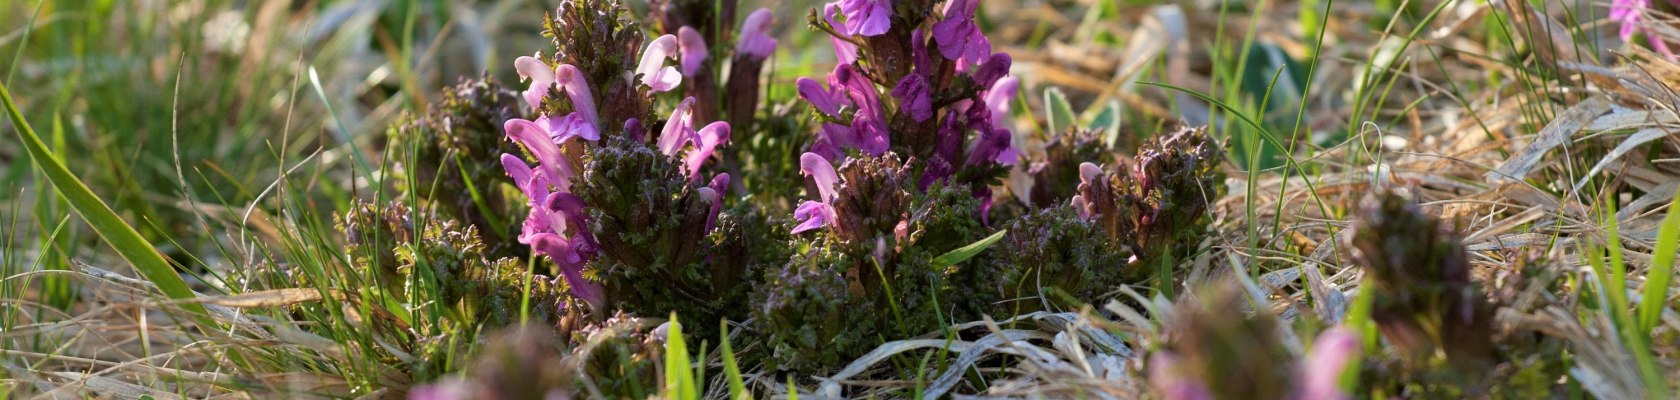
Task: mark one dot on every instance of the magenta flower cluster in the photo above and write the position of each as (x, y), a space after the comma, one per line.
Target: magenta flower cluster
(934, 114)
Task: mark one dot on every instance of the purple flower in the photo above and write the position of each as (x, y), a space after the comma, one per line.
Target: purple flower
(869, 124)
(571, 81)
(693, 49)
(844, 51)
(999, 96)
(716, 189)
(913, 91)
(958, 36)
(1631, 13)
(679, 133)
(755, 40)
(655, 74)
(1321, 371)
(828, 100)
(817, 214)
(993, 145)
(868, 129)
(866, 17)
(995, 67)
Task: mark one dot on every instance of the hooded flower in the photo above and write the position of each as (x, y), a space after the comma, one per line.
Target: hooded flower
(959, 38)
(845, 52)
(568, 80)
(693, 49)
(755, 40)
(866, 17)
(817, 214)
(555, 224)
(655, 74)
(868, 129)
(679, 133)
(913, 92)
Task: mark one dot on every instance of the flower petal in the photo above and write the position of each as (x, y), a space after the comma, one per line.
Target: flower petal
(705, 141)
(571, 81)
(678, 128)
(822, 173)
(755, 40)
(655, 74)
(812, 215)
(542, 78)
(693, 49)
(538, 141)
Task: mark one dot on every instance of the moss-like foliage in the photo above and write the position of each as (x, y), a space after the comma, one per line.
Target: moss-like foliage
(871, 273)
(1047, 257)
(619, 358)
(656, 252)
(455, 148)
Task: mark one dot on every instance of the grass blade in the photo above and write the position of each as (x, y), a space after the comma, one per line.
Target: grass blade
(966, 252)
(731, 371)
(1662, 268)
(679, 379)
(111, 228)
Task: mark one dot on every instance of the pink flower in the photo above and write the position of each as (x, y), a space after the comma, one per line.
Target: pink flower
(958, 36)
(569, 80)
(844, 51)
(1169, 384)
(655, 74)
(755, 40)
(679, 133)
(693, 49)
(1321, 371)
(866, 17)
(817, 214)
(555, 226)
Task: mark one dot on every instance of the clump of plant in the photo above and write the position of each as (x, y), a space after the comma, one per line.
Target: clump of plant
(526, 363)
(453, 150)
(1219, 346)
(1055, 176)
(1047, 257)
(1158, 206)
(621, 201)
(1436, 320)
(442, 266)
(863, 264)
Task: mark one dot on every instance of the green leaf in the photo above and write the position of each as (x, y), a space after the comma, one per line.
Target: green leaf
(1662, 268)
(1061, 113)
(679, 378)
(966, 252)
(118, 234)
(1108, 120)
(732, 372)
